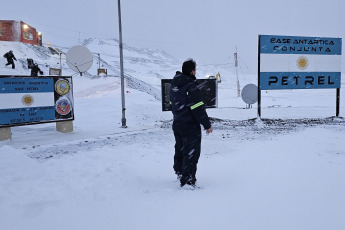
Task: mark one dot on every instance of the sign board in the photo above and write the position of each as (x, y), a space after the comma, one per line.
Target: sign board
(208, 88)
(32, 100)
(102, 71)
(290, 62)
(54, 71)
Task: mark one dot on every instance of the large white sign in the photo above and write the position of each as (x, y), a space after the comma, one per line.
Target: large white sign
(289, 62)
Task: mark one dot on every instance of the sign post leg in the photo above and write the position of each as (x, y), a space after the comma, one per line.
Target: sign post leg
(259, 90)
(338, 103)
(259, 103)
(64, 126)
(5, 133)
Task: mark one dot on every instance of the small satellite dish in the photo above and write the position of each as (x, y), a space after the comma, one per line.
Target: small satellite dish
(79, 59)
(250, 94)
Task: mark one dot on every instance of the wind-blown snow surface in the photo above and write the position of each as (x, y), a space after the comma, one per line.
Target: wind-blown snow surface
(286, 171)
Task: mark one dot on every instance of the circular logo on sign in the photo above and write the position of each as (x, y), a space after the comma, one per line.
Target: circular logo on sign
(27, 100)
(302, 63)
(63, 106)
(62, 87)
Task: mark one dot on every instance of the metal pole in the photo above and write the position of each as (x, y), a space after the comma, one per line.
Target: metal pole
(259, 91)
(99, 61)
(338, 103)
(123, 120)
(60, 65)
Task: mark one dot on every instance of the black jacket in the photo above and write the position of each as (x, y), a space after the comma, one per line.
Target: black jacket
(187, 107)
(10, 56)
(34, 71)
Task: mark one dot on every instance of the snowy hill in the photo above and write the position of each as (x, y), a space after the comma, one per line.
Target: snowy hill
(285, 171)
(144, 68)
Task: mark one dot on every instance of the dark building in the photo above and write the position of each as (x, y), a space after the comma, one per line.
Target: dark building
(19, 31)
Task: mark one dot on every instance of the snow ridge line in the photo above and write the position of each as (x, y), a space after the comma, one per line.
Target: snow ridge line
(44, 152)
(251, 129)
(269, 123)
(281, 122)
(142, 86)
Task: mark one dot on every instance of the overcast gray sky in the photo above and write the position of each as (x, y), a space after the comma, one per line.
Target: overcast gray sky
(207, 30)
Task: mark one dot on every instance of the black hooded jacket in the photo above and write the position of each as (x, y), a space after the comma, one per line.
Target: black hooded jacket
(34, 71)
(187, 107)
(9, 56)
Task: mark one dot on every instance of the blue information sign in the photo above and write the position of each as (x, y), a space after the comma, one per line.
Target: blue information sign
(299, 45)
(26, 85)
(30, 100)
(299, 80)
(27, 115)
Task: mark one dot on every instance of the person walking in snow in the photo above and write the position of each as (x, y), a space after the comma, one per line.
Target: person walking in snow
(34, 70)
(10, 56)
(189, 112)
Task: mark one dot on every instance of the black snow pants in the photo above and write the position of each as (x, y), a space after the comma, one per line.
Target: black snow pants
(10, 62)
(187, 153)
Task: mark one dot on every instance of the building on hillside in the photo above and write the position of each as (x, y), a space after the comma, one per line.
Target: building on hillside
(19, 31)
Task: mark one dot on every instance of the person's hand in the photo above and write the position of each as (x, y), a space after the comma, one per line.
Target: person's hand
(210, 130)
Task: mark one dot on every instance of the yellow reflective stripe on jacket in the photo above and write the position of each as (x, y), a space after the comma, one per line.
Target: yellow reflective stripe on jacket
(196, 105)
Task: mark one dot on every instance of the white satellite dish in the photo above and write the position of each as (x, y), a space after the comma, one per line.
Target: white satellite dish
(250, 94)
(79, 59)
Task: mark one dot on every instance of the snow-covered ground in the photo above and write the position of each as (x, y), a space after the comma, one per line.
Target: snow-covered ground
(285, 171)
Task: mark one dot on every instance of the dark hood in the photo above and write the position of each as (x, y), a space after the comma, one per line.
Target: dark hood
(181, 79)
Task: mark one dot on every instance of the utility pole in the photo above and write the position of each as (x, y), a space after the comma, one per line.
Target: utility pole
(123, 120)
(60, 65)
(237, 81)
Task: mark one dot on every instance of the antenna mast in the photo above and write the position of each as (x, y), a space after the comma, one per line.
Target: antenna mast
(237, 81)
